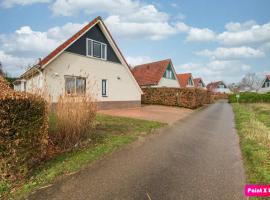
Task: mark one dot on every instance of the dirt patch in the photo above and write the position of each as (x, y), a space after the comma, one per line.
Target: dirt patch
(165, 114)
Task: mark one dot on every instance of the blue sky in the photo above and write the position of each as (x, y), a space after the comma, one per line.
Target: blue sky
(216, 40)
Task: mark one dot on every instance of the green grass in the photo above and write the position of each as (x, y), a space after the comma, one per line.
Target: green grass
(254, 132)
(111, 134)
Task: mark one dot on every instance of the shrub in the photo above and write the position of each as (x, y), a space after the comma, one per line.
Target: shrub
(23, 132)
(72, 121)
(183, 97)
(250, 97)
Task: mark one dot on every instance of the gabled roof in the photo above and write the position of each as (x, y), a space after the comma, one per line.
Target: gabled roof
(183, 79)
(197, 81)
(43, 62)
(150, 73)
(213, 85)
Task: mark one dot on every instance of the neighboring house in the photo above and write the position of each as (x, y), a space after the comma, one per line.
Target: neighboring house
(156, 74)
(185, 80)
(198, 82)
(88, 63)
(218, 87)
(265, 86)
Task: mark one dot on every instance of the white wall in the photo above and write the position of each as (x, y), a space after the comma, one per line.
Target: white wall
(165, 82)
(223, 90)
(124, 89)
(264, 90)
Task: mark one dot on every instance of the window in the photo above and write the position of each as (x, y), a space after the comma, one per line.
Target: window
(75, 85)
(169, 74)
(96, 49)
(221, 86)
(104, 87)
(190, 81)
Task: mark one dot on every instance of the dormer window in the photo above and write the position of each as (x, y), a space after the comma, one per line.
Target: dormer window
(96, 49)
(190, 82)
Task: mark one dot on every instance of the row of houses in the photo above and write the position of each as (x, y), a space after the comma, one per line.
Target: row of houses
(91, 63)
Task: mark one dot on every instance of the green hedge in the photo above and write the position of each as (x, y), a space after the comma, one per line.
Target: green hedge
(23, 133)
(250, 97)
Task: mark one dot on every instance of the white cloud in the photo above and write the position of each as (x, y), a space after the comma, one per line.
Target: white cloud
(152, 30)
(229, 70)
(11, 3)
(133, 61)
(250, 34)
(200, 35)
(232, 53)
(126, 18)
(13, 64)
(236, 26)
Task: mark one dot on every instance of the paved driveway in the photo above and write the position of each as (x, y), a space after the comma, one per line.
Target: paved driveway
(194, 159)
(167, 114)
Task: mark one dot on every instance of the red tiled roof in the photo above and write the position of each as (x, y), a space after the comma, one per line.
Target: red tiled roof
(183, 79)
(150, 73)
(213, 85)
(197, 81)
(268, 76)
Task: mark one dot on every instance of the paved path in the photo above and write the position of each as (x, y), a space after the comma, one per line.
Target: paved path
(197, 158)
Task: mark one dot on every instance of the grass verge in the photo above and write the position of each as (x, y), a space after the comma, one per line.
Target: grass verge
(254, 141)
(111, 134)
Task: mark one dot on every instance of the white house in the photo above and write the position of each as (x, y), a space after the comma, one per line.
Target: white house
(185, 80)
(156, 74)
(265, 86)
(87, 63)
(218, 87)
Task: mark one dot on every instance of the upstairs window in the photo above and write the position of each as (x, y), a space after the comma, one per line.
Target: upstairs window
(169, 74)
(190, 82)
(75, 85)
(96, 49)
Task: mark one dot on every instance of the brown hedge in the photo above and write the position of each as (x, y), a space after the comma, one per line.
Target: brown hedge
(183, 97)
(23, 132)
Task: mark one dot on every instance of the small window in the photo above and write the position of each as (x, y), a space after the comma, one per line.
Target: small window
(96, 49)
(104, 87)
(24, 86)
(190, 81)
(75, 85)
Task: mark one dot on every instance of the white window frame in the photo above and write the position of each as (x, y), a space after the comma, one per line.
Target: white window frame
(92, 49)
(75, 79)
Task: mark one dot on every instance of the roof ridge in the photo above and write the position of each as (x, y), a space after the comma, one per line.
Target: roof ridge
(154, 62)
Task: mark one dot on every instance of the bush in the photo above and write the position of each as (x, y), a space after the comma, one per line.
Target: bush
(183, 97)
(72, 121)
(23, 132)
(250, 97)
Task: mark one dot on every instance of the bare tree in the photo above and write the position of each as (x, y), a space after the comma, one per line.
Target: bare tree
(250, 82)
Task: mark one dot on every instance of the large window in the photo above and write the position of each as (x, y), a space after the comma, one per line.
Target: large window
(104, 87)
(75, 85)
(96, 49)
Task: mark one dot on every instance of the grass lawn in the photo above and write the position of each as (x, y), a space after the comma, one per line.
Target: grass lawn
(253, 125)
(111, 133)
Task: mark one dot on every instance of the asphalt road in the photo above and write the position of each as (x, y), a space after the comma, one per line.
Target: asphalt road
(196, 158)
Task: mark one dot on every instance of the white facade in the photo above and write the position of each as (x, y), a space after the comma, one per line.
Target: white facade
(165, 82)
(223, 90)
(121, 86)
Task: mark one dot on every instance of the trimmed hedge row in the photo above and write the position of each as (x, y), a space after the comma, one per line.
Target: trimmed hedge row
(250, 97)
(182, 97)
(23, 132)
